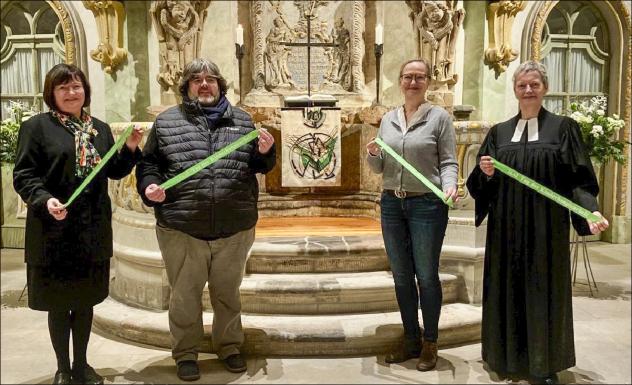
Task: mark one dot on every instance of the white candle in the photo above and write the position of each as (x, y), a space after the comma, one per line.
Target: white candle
(379, 34)
(239, 35)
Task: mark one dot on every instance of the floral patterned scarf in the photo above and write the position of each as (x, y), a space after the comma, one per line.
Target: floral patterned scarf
(86, 155)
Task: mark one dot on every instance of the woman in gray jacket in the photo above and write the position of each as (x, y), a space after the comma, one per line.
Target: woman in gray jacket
(413, 218)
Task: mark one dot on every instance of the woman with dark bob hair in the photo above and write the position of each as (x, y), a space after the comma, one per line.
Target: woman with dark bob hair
(68, 250)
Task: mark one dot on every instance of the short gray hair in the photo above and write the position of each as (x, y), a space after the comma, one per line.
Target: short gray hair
(529, 66)
(197, 66)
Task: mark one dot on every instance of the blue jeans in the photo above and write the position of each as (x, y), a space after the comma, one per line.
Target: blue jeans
(413, 230)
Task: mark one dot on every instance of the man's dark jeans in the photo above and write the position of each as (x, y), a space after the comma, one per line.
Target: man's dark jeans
(413, 230)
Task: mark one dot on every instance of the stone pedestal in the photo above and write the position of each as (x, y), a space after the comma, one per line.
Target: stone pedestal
(13, 212)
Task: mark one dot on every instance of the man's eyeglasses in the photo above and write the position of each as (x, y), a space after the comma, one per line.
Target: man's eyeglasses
(418, 78)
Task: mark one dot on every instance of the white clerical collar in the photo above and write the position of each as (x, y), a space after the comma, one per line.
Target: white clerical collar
(532, 133)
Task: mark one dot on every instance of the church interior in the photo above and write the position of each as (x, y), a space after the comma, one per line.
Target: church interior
(318, 304)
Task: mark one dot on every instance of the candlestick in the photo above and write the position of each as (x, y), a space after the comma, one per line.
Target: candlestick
(379, 50)
(239, 53)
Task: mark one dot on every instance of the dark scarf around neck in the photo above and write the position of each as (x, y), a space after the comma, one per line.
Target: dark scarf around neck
(214, 113)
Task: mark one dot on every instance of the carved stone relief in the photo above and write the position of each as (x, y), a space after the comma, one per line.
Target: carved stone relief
(109, 16)
(179, 26)
(500, 18)
(437, 25)
(280, 46)
(67, 27)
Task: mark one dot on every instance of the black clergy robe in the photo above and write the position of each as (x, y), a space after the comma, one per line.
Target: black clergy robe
(527, 325)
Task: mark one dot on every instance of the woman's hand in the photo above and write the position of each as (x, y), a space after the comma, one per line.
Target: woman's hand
(134, 139)
(486, 165)
(373, 148)
(56, 209)
(266, 140)
(597, 227)
(452, 192)
(155, 193)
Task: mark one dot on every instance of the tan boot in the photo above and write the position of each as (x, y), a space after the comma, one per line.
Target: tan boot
(428, 357)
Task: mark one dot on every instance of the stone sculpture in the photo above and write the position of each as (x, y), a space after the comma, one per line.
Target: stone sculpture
(178, 25)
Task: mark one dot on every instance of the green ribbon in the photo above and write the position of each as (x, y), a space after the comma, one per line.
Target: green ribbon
(417, 174)
(547, 192)
(117, 146)
(201, 165)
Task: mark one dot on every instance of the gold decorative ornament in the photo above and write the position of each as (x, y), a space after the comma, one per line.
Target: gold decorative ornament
(109, 16)
(66, 26)
(500, 18)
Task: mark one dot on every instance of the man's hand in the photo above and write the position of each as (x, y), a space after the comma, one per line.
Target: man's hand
(597, 227)
(133, 140)
(155, 193)
(373, 148)
(266, 140)
(56, 209)
(486, 165)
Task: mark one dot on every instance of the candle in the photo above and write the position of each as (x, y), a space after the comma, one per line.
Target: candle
(379, 34)
(239, 35)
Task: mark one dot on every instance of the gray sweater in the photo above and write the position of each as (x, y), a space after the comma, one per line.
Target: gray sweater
(429, 145)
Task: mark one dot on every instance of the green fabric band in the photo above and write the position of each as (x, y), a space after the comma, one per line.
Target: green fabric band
(210, 160)
(117, 146)
(416, 173)
(547, 192)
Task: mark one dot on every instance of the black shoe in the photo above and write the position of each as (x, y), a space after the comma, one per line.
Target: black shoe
(188, 370)
(235, 363)
(62, 378)
(85, 375)
(400, 356)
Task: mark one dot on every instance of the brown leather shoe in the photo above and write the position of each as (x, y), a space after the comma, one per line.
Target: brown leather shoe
(428, 357)
(400, 356)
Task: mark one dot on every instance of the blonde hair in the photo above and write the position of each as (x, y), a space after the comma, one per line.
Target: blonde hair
(420, 60)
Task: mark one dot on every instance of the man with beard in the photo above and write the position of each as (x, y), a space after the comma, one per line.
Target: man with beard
(205, 225)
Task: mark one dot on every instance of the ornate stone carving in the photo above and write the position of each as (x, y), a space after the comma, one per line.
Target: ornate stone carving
(437, 24)
(357, 46)
(340, 72)
(256, 15)
(624, 14)
(179, 26)
(538, 27)
(279, 46)
(109, 16)
(276, 54)
(500, 18)
(123, 192)
(66, 26)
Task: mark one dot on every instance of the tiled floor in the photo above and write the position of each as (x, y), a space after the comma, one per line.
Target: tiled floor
(602, 339)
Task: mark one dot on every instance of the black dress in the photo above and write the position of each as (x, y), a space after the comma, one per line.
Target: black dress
(67, 261)
(527, 298)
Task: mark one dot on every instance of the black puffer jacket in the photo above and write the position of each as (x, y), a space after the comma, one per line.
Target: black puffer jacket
(220, 200)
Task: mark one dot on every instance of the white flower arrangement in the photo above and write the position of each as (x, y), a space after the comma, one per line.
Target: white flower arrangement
(598, 130)
(9, 130)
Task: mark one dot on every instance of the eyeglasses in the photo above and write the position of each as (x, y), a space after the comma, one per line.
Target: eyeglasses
(408, 78)
(199, 80)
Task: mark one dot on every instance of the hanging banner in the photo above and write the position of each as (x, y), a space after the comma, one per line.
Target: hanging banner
(311, 149)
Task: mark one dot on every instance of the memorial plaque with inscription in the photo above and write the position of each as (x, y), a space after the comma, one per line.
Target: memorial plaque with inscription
(297, 65)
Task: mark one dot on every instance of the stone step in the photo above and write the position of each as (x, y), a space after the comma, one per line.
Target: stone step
(292, 335)
(326, 254)
(326, 293)
(317, 254)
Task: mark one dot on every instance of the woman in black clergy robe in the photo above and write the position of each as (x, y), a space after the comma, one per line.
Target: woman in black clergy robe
(527, 328)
